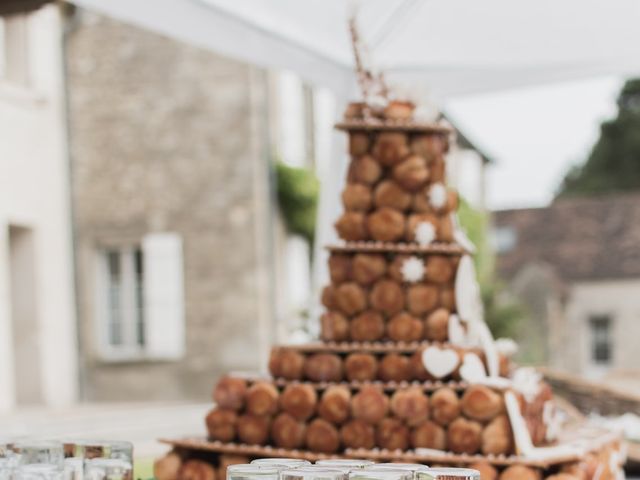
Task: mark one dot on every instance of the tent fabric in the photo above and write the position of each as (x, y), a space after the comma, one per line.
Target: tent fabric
(450, 47)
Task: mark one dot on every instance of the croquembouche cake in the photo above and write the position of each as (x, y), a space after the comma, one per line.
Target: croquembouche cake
(406, 368)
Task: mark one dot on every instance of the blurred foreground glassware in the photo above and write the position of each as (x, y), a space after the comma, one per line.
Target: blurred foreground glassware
(252, 471)
(452, 474)
(416, 468)
(384, 473)
(38, 471)
(289, 462)
(314, 472)
(107, 469)
(73, 468)
(36, 452)
(89, 449)
(351, 463)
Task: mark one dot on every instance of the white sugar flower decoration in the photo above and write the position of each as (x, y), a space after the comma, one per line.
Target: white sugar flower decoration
(438, 196)
(412, 270)
(506, 346)
(425, 233)
(527, 381)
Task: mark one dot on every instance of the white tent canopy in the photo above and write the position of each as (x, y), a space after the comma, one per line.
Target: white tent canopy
(448, 47)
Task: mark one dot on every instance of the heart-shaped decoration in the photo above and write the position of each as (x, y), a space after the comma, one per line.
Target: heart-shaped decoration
(456, 332)
(472, 369)
(440, 362)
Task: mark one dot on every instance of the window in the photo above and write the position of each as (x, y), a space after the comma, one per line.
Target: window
(123, 315)
(14, 66)
(601, 342)
(504, 239)
(140, 300)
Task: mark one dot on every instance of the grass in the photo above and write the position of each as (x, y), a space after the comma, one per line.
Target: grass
(143, 469)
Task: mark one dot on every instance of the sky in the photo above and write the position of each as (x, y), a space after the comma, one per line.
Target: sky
(534, 134)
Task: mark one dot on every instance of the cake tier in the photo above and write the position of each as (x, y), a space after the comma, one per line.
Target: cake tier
(404, 293)
(396, 182)
(596, 448)
(370, 361)
(331, 417)
(400, 125)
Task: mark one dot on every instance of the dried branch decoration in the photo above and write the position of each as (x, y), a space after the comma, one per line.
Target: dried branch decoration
(372, 85)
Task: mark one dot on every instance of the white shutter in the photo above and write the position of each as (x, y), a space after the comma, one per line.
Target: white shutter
(164, 295)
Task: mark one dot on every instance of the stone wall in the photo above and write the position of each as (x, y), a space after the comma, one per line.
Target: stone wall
(168, 137)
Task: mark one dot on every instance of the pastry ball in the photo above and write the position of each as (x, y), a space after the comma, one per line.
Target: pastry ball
(416, 219)
(416, 367)
(387, 296)
(395, 268)
(365, 170)
(487, 471)
(427, 145)
(481, 403)
(448, 299)
(196, 470)
(410, 405)
(412, 173)
(394, 368)
(452, 201)
(445, 229)
(262, 399)
(323, 367)
(390, 148)
(562, 476)
(385, 225)
(358, 143)
(392, 434)
(287, 432)
(577, 470)
(404, 327)
(351, 298)
(436, 325)
(445, 406)
(328, 297)
(429, 435)
(335, 404)
(357, 197)
(222, 424)
(497, 438)
(399, 110)
(367, 327)
(520, 472)
(339, 268)
(286, 363)
(351, 226)
(389, 194)
(368, 267)
(422, 298)
(361, 367)
(420, 202)
(299, 400)
(253, 429)
(334, 327)
(438, 170)
(230, 392)
(322, 437)
(167, 467)
(225, 461)
(439, 269)
(358, 434)
(464, 436)
(370, 405)
(354, 110)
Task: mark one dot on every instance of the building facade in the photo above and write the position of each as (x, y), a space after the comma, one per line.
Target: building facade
(172, 208)
(575, 265)
(38, 342)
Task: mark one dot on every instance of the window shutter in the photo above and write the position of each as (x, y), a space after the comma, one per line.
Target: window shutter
(164, 295)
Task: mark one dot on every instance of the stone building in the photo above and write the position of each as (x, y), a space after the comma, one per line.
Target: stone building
(576, 266)
(172, 207)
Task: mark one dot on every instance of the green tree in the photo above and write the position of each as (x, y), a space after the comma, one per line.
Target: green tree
(297, 190)
(614, 162)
